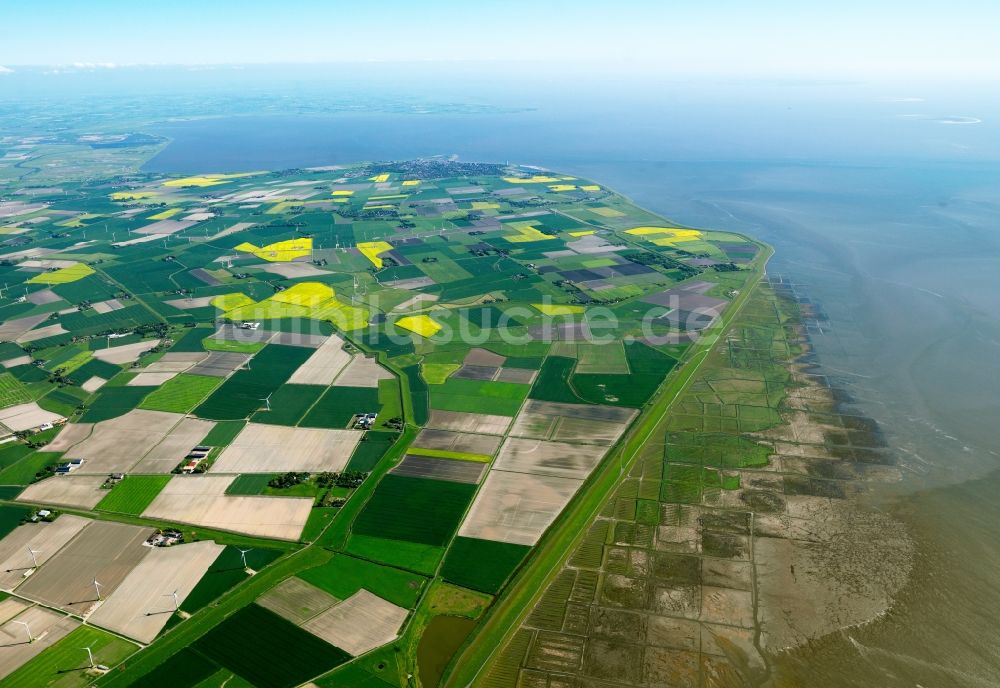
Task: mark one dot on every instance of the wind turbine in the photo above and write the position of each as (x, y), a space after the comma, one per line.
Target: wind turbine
(243, 553)
(97, 587)
(90, 655)
(27, 629)
(33, 552)
(267, 402)
(177, 604)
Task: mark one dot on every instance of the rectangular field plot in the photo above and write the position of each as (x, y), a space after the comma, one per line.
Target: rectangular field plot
(220, 364)
(461, 442)
(358, 624)
(104, 550)
(45, 539)
(497, 398)
(288, 404)
(553, 420)
(517, 507)
(202, 500)
(458, 421)
(548, 458)
(180, 394)
(166, 455)
(324, 365)
(141, 606)
(83, 491)
(414, 509)
(133, 494)
(345, 575)
(116, 445)
(482, 565)
(46, 625)
(263, 448)
(441, 469)
(338, 406)
(26, 416)
(296, 600)
(267, 650)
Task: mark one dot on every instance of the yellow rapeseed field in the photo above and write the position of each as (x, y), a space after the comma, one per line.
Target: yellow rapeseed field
(423, 325)
(65, 275)
(372, 249)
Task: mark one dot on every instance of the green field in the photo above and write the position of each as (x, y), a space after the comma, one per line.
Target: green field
(180, 394)
(249, 484)
(411, 556)
(482, 565)
(267, 650)
(344, 575)
(336, 408)
(23, 472)
(415, 509)
(225, 572)
(12, 391)
(133, 494)
(186, 669)
(370, 450)
(288, 404)
(224, 433)
(10, 517)
(475, 396)
(242, 394)
(112, 402)
(64, 664)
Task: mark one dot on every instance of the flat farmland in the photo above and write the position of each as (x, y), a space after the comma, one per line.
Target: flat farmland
(83, 491)
(338, 406)
(44, 538)
(118, 444)
(64, 665)
(141, 606)
(242, 393)
(71, 434)
(440, 469)
(104, 550)
(573, 422)
(414, 509)
(267, 650)
(476, 423)
(166, 455)
(463, 442)
(180, 394)
(358, 624)
(296, 600)
(133, 494)
(496, 398)
(362, 371)
(548, 458)
(324, 365)
(15, 651)
(482, 565)
(261, 448)
(517, 508)
(202, 500)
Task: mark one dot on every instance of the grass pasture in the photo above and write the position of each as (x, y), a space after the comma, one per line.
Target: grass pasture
(133, 494)
(477, 396)
(344, 575)
(64, 664)
(392, 512)
(12, 391)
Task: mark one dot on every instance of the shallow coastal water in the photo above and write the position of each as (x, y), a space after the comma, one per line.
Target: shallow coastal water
(899, 255)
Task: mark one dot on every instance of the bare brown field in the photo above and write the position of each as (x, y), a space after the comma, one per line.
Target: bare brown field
(143, 603)
(362, 372)
(71, 434)
(360, 623)
(263, 448)
(11, 607)
(127, 353)
(147, 379)
(571, 422)
(45, 539)
(483, 357)
(296, 600)
(324, 365)
(48, 628)
(548, 458)
(103, 550)
(41, 333)
(165, 456)
(23, 417)
(201, 500)
(457, 441)
(116, 445)
(440, 469)
(459, 421)
(82, 491)
(517, 507)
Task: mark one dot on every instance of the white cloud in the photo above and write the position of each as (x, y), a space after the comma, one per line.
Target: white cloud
(6, 70)
(93, 65)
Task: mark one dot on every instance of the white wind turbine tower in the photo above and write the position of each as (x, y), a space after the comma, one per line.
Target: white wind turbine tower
(27, 629)
(97, 587)
(90, 656)
(33, 552)
(177, 604)
(267, 404)
(243, 554)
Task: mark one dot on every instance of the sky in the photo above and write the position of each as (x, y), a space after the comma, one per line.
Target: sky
(811, 38)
